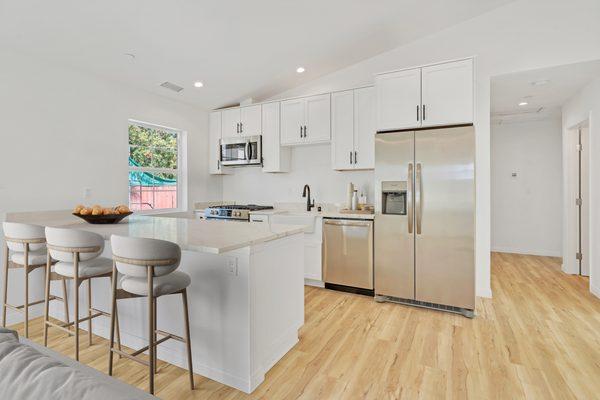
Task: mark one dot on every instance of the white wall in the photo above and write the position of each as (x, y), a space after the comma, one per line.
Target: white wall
(583, 106)
(525, 34)
(526, 209)
(63, 130)
(310, 165)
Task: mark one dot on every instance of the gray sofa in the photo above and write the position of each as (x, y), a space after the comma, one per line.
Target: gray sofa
(30, 371)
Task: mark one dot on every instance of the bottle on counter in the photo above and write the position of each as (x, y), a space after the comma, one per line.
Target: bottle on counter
(362, 201)
(349, 193)
(355, 200)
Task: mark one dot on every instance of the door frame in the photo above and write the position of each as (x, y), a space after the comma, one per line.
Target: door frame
(570, 264)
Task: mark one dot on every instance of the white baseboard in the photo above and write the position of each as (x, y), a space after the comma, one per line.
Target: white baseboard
(595, 290)
(487, 292)
(532, 252)
(314, 282)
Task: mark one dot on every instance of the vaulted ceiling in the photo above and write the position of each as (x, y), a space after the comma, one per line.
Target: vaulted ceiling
(238, 49)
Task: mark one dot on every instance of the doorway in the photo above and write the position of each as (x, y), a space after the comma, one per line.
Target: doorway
(582, 196)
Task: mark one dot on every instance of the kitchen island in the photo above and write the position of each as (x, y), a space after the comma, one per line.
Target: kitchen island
(246, 296)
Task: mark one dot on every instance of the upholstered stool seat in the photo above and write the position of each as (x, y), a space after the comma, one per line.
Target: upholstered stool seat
(90, 268)
(34, 258)
(163, 285)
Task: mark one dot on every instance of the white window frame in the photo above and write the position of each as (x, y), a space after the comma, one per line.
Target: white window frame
(181, 171)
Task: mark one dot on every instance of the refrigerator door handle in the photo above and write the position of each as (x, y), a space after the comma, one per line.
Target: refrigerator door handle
(409, 196)
(419, 198)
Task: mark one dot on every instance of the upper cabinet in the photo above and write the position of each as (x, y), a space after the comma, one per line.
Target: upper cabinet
(435, 95)
(214, 143)
(242, 121)
(275, 157)
(447, 93)
(353, 129)
(306, 120)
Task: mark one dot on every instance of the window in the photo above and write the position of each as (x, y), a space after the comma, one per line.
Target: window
(154, 168)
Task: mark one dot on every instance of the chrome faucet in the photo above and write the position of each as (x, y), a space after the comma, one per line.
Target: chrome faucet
(306, 193)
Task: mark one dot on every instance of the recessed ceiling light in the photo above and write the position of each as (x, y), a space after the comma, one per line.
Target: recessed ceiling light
(198, 84)
(523, 103)
(300, 70)
(541, 82)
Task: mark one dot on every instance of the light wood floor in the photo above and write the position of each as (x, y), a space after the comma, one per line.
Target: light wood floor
(538, 338)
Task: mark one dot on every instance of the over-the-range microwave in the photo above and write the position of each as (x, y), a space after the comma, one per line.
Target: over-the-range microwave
(241, 150)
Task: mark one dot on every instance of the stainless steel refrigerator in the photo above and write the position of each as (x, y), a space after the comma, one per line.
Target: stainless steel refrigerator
(425, 218)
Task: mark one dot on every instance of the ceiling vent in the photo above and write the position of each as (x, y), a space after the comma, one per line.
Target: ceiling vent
(171, 86)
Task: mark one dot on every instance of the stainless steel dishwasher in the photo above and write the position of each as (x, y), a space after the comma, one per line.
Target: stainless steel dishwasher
(348, 255)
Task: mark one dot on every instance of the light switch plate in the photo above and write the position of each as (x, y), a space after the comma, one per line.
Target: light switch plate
(232, 267)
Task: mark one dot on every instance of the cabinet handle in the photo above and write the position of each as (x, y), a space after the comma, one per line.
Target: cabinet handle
(237, 128)
(423, 112)
(418, 112)
(241, 127)
(350, 157)
(304, 130)
(355, 158)
(300, 130)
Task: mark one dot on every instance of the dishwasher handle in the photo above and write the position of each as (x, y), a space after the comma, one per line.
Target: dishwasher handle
(347, 222)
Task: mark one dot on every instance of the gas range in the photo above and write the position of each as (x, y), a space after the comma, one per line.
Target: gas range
(233, 212)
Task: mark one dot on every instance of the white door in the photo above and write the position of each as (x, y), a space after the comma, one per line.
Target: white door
(292, 121)
(214, 163)
(398, 100)
(251, 120)
(447, 95)
(230, 122)
(342, 130)
(318, 119)
(364, 128)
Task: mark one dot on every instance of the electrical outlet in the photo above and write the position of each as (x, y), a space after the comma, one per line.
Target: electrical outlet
(232, 267)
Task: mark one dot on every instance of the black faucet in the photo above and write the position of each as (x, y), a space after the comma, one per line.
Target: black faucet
(306, 193)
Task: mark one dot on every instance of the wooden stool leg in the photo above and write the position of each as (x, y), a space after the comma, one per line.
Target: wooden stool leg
(65, 302)
(76, 289)
(118, 330)
(155, 337)
(47, 299)
(187, 337)
(151, 328)
(26, 302)
(89, 293)
(113, 318)
(5, 285)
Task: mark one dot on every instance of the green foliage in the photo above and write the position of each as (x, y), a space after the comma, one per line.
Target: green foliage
(151, 147)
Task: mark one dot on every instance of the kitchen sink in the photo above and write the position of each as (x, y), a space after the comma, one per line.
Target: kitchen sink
(307, 219)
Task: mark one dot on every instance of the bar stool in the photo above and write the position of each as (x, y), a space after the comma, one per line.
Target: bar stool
(148, 266)
(27, 244)
(78, 255)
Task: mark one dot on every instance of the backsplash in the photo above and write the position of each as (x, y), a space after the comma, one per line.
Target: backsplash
(310, 165)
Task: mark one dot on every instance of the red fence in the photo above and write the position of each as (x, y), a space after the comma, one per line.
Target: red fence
(152, 197)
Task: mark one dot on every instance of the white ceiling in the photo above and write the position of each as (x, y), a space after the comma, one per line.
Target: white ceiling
(544, 101)
(239, 49)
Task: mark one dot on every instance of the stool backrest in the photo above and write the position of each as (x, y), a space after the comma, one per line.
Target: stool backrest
(89, 243)
(15, 230)
(163, 255)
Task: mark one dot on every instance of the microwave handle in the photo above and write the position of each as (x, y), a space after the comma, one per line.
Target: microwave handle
(247, 150)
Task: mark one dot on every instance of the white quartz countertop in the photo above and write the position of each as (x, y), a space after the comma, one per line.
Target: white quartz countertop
(324, 214)
(208, 236)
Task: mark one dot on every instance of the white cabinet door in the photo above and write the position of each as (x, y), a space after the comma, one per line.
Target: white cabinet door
(230, 122)
(275, 158)
(292, 121)
(448, 93)
(398, 100)
(342, 130)
(318, 119)
(313, 261)
(251, 120)
(214, 137)
(364, 128)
